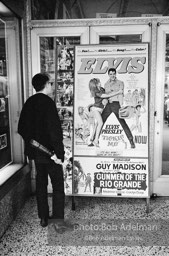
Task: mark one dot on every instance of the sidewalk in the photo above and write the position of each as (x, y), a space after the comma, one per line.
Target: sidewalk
(26, 237)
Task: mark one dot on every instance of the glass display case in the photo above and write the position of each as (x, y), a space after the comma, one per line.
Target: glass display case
(57, 59)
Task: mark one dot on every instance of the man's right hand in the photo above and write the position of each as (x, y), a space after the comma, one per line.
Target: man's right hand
(56, 160)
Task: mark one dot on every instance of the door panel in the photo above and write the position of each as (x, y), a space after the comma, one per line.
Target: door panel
(38, 33)
(98, 31)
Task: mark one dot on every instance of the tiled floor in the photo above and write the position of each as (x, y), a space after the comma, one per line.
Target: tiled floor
(26, 237)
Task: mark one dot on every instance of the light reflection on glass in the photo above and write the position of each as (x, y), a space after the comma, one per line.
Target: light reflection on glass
(165, 149)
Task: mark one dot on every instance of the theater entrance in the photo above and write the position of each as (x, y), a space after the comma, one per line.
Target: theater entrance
(47, 36)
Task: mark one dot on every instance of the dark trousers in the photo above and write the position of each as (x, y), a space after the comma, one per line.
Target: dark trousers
(58, 200)
(114, 108)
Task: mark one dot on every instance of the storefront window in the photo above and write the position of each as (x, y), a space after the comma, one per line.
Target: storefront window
(78, 9)
(5, 145)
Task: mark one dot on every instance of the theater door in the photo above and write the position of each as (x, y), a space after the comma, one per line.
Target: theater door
(161, 137)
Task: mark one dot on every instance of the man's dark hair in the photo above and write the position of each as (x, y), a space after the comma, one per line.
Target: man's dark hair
(112, 70)
(39, 81)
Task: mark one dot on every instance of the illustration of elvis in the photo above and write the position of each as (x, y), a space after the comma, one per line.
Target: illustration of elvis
(115, 102)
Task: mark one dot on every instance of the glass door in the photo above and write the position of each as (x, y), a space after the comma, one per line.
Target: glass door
(161, 159)
(53, 52)
(135, 89)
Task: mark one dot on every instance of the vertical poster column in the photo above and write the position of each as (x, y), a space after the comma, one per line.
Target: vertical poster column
(64, 102)
(111, 120)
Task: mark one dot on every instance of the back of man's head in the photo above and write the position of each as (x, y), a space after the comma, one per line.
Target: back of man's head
(39, 81)
(112, 70)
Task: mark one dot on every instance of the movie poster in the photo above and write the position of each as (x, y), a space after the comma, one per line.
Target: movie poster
(111, 120)
(125, 177)
(111, 109)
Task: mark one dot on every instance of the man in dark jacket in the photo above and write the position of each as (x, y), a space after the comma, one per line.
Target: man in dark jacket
(39, 121)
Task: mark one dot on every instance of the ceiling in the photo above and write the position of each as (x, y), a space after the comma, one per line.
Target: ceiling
(124, 8)
(83, 9)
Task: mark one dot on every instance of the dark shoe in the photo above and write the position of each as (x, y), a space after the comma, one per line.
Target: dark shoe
(44, 222)
(91, 145)
(132, 144)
